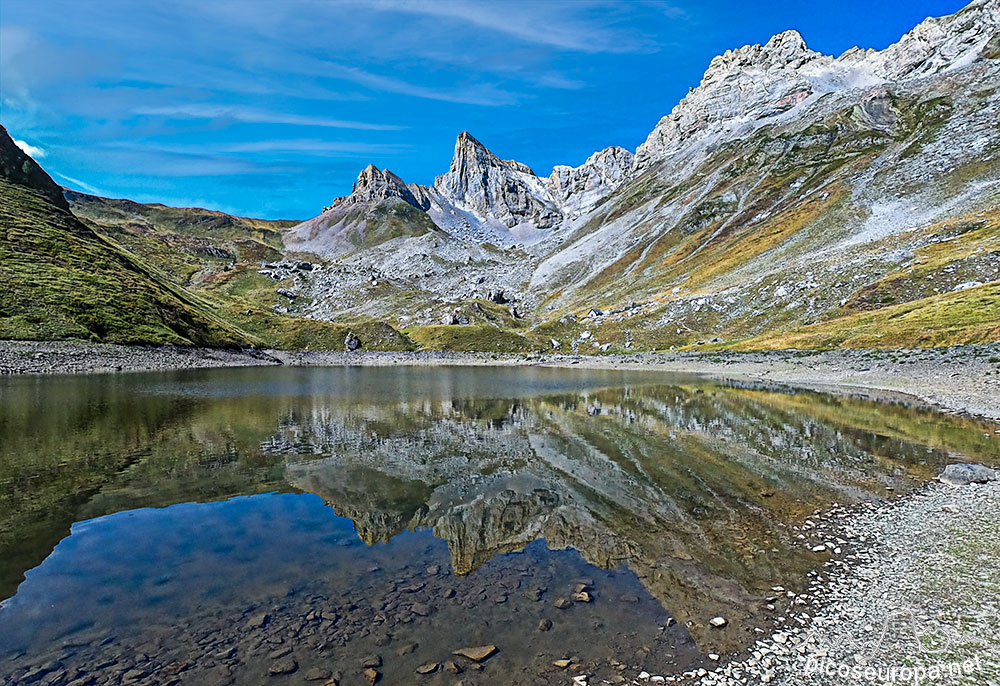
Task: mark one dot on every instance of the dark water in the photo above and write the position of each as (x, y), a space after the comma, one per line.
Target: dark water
(205, 527)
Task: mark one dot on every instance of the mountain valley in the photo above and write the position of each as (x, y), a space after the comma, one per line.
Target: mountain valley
(791, 200)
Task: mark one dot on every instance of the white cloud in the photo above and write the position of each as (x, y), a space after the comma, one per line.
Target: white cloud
(206, 111)
(78, 183)
(29, 149)
(479, 94)
(562, 25)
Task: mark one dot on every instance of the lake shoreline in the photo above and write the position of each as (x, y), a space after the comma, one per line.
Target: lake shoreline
(960, 380)
(909, 576)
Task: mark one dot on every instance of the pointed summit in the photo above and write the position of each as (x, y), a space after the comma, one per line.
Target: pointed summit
(505, 190)
(374, 185)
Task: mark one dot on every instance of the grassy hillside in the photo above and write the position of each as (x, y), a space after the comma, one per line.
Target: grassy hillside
(144, 274)
(61, 280)
(960, 318)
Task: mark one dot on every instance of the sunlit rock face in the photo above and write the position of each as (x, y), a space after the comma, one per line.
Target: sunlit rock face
(504, 190)
(577, 189)
(746, 88)
(375, 184)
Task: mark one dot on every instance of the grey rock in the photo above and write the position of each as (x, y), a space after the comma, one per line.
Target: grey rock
(967, 473)
(287, 666)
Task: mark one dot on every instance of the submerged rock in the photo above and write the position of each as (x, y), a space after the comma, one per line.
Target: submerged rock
(478, 653)
(283, 667)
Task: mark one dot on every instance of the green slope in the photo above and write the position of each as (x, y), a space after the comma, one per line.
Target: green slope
(59, 280)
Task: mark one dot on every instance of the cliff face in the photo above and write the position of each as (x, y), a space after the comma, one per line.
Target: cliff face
(506, 191)
(749, 87)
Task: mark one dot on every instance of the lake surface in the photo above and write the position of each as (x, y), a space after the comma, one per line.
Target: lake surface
(218, 526)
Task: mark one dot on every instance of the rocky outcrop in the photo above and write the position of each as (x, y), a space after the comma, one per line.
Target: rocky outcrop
(576, 189)
(374, 185)
(17, 167)
(967, 473)
(492, 188)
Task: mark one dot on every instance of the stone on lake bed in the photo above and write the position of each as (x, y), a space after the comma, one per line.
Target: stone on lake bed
(562, 664)
(967, 473)
(544, 624)
(258, 620)
(407, 649)
(317, 673)
(476, 654)
(718, 622)
(563, 603)
(582, 597)
(371, 675)
(283, 667)
(427, 668)
(372, 661)
(420, 609)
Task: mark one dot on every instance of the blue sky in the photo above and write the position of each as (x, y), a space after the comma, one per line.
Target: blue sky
(271, 109)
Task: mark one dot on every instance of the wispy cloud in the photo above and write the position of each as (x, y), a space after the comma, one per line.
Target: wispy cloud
(29, 149)
(249, 115)
(314, 146)
(476, 94)
(554, 24)
(78, 183)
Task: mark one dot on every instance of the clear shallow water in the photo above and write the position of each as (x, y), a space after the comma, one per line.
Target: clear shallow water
(148, 522)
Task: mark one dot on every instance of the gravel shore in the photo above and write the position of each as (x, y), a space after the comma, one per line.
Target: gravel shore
(63, 357)
(910, 594)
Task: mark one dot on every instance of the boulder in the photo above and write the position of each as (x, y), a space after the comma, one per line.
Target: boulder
(967, 473)
(352, 342)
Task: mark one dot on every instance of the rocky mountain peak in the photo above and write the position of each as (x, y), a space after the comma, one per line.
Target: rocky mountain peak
(374, 185)
(507, 191)
(786, 50)
(748, 87)
(940, 44)
(18, 167)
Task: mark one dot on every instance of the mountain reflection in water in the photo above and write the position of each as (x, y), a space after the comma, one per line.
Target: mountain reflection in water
(694, 486)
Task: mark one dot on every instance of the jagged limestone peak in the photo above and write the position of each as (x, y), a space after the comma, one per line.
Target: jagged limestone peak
(376, 184)
(492, 188)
